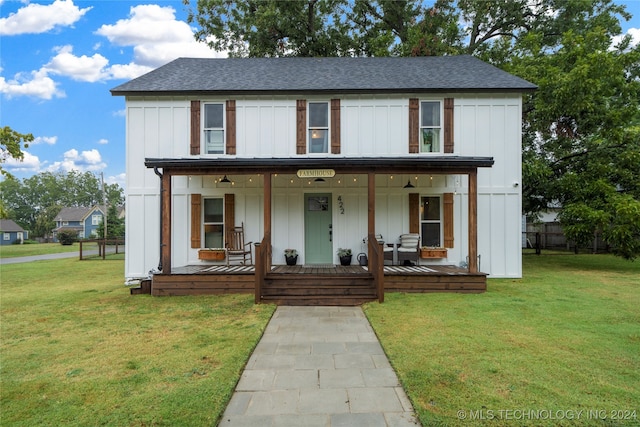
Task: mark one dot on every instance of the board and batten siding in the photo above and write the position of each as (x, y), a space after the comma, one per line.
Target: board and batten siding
(369, 126)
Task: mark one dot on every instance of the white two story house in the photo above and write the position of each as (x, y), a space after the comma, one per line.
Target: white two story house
(318, 154)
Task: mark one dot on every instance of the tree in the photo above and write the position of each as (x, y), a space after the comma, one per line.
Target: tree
(35, 201)
(115, 225)
(11, 144)
(581, 146)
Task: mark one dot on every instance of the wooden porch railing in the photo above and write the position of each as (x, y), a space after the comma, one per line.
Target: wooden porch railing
(263, 265)
(376, 265)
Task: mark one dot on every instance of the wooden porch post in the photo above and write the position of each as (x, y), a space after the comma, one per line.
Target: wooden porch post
(166, 222)
(263, 251)
(473, 221)
(267, 217)
(377, 262)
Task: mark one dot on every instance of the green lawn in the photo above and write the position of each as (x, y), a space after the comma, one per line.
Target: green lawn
(78, 350)
(30, 249)
(564, 339)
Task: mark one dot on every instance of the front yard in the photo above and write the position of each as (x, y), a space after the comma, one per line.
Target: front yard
(559, 347)
(77, 349)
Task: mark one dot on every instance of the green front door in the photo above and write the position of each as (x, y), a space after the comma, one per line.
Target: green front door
(318, 233)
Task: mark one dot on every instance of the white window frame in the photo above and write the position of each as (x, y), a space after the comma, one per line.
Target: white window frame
(312, 130)
(65, 222)
(223, 129)
(439, 128)
(7, 236)
(439, 221)
(96, 219)
(206, 223)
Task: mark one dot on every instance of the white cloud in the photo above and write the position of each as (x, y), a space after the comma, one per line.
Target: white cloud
(635, 37)
(151, 30)
(119, 179)
(36, 83)
(38, 18)
(82, 68)
(89, 160)
(103, 141)
(29, 163)
(128, 71)
(156, 36)
(50, 140)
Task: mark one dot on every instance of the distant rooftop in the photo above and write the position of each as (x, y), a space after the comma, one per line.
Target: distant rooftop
(334, 75)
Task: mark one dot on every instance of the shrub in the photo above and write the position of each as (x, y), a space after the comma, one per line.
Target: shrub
(67, 237)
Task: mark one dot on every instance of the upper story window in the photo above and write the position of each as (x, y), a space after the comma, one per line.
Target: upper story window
(318, 127)
(214, 128)
(430, 127)
(96, 219)
(431, 221)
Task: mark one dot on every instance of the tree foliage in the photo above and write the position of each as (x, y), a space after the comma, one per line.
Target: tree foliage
(11, 144)
(35, 201)
(115, 225)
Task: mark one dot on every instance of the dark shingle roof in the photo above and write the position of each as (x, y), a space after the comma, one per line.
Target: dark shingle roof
(344, 75)
(8, 226)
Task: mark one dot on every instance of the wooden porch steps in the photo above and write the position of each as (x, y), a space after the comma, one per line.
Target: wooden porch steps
(336, 289)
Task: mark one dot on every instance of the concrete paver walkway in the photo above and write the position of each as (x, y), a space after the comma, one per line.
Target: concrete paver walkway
(319, 366)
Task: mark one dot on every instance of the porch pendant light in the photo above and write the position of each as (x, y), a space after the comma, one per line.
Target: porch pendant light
(409, 185)
(225, 179)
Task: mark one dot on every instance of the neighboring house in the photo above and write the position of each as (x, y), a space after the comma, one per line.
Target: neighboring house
(81, 220)
(11, 232)
(319, 154)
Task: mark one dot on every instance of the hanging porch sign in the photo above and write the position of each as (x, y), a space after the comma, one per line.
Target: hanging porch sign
(316, 173)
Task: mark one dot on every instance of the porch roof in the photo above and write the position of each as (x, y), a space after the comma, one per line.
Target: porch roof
(414, 164)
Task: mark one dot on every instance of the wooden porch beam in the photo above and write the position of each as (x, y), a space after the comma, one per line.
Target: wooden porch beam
(473, 222)
(166, 223)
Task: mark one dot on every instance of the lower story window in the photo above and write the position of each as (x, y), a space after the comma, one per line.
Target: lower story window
(214, 223)
(431, 221)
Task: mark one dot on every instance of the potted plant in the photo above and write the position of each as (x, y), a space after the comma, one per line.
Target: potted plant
(291, 256)
(345, 256)
(212, 254)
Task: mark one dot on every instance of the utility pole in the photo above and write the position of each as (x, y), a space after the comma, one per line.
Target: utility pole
(106, 208)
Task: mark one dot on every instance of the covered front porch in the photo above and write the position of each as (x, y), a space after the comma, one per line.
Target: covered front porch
(326, 284)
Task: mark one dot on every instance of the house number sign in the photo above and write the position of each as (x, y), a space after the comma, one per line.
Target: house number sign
(316, 173)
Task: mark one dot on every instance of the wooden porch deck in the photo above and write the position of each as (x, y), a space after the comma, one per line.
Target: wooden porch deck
(315, 285)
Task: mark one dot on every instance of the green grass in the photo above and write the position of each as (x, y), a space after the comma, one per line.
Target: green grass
(30, 249)
(566, 337)
(76, 349)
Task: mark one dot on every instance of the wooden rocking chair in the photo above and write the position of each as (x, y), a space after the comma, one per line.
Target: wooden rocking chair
(237, 248)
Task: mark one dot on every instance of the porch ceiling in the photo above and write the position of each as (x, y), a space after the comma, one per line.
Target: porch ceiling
(426, 164)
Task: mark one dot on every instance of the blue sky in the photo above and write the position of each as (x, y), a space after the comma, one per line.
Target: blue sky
(58, 60)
